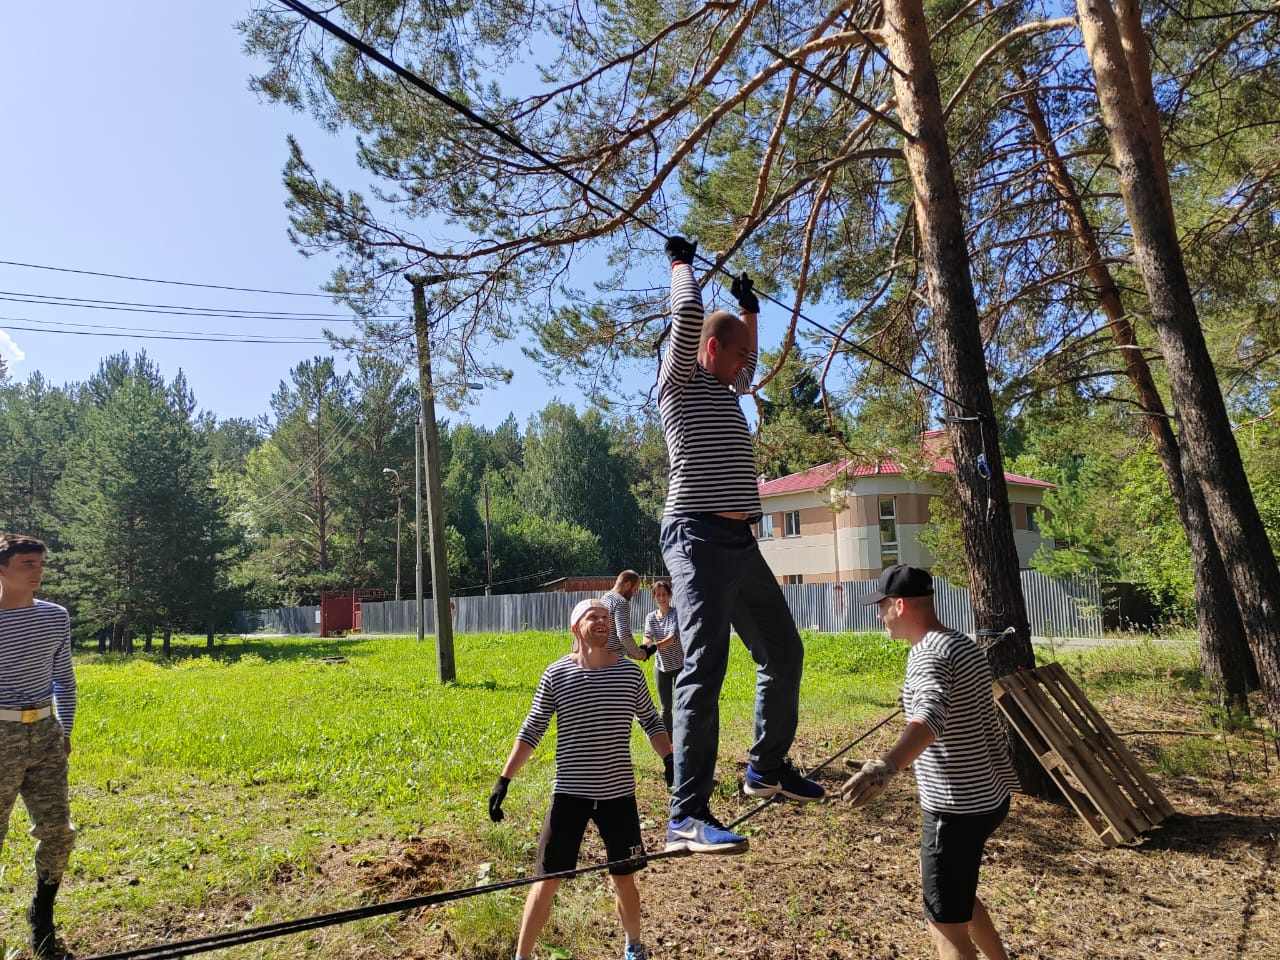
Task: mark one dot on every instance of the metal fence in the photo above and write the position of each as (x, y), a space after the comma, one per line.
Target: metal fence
(1055, 608)
(290, 620)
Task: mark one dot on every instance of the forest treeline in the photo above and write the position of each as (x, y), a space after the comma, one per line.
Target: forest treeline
(162, 518)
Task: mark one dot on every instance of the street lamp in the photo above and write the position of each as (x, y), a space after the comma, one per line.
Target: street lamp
(396, 474)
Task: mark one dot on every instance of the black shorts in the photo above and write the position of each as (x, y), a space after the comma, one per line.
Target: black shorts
(618, 821)
(951, 846)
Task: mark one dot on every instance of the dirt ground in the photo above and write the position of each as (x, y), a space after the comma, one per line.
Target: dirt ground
(824, 881)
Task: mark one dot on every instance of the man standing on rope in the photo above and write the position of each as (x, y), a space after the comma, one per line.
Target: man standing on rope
(720, 578)
(594, 693)
(963, 770)
(37, 710)
(618, 600)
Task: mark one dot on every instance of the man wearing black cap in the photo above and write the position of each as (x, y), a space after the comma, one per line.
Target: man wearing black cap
(963, 770)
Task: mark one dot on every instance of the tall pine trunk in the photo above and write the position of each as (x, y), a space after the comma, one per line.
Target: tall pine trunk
(1224, 650)
(1210, 456)
(985, 519)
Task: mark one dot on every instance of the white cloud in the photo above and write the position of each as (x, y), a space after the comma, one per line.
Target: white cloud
(11, 352)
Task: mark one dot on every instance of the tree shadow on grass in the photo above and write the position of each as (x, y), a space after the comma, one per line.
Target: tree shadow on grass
(496, 685)
(232, 649)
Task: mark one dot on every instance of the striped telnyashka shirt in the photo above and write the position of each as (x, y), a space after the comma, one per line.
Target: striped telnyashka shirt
(713, 466)
(657, 627)
(621, 638)
(593, 711)
(967, 769)
(35, 660)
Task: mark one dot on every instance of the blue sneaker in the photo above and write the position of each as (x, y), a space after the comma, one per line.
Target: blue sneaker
(703, 834)
(785, 780)
(635, 951)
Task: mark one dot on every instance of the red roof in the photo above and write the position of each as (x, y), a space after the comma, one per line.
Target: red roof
(821, 475)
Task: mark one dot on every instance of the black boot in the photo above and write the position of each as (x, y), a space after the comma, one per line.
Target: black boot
(44, 944)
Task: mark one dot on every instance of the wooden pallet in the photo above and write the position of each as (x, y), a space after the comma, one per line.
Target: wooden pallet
(1097, 774)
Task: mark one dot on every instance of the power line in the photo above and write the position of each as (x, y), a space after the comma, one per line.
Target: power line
(176, 283)
(271, 503)
(181, 310)
(514, 141)
(98, 332)
(122, 329)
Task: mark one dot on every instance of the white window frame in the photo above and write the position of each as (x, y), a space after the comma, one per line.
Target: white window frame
(890, 547)
(791, 523)
(793, 579)
(764, 530)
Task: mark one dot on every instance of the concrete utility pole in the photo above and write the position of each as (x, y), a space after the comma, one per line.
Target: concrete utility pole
(431, 456)
(418, 618)
(399, 513)
(488, 550)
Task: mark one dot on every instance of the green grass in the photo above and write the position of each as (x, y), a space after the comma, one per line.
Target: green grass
(217, 790)
(211, 778)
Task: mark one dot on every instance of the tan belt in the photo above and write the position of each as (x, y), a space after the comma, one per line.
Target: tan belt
(26, 716)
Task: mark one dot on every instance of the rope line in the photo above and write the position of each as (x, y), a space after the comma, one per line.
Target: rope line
(831, 759)
(183, 948)
(280, 928)
(511, 140)
(176, 283)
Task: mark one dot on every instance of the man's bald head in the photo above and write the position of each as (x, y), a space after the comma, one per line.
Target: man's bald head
(725, 346)
(722, 325)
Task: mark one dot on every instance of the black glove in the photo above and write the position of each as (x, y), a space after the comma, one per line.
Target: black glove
(680, 250)
(649, 649)
(496, 797)
(669, 769)
(744, 290)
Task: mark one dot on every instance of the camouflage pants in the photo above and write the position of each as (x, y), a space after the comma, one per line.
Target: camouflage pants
(33, 763)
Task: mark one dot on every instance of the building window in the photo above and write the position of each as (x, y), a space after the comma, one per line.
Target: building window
(888, 532)
(792, 579)
(764, 530)
(791, 523)
(1032, 524)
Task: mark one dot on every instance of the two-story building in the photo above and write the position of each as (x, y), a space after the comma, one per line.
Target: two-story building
(845, 521)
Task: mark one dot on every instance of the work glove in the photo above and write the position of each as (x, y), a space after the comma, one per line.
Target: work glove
(680, 250)
(744, 291)
(669, 769)
(868, 783)
(496, 797)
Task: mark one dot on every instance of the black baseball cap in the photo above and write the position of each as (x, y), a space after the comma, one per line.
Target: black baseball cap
(901, 580)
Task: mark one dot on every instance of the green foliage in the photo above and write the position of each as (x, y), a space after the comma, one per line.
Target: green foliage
(159, 519)
(794, 434)
(573, 474)
(136, 508)
(37, 425)
(1189, 757)
(1259, 439)
(943, 537)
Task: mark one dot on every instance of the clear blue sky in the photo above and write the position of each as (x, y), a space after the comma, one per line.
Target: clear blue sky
(135, 147)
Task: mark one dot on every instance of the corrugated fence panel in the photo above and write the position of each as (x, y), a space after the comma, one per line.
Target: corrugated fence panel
(290, 620)
(1059, 608)
(1063, 608)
